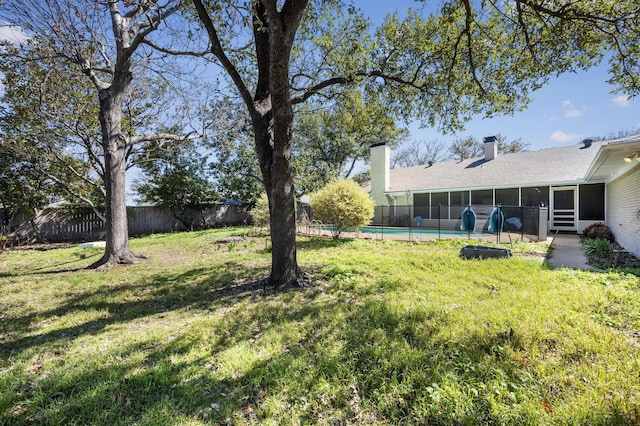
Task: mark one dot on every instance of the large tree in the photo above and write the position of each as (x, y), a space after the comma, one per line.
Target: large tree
(49, 119)
(107, 43)
(467, 147)
(175, 176)
(472, 58)
(234, 166)
(332, 136)
(418, 152)
(471, 147)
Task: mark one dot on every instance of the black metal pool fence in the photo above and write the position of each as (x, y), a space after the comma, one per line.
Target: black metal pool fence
(446, 221)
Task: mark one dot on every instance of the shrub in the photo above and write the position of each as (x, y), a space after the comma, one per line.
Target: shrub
(598, 230)
(599, 251)
(260, 212)
(598, 247)
(342, 204)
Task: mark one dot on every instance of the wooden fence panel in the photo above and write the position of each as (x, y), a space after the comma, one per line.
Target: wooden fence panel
(56, 226)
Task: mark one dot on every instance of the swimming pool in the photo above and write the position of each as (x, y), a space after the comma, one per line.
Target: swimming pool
(410, 232)
(418, 232)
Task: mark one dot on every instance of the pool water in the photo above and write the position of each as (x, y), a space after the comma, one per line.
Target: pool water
(379, 230)
(413, 231)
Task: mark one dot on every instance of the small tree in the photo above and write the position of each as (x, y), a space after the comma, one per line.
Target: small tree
(342, 204)
(260, 211)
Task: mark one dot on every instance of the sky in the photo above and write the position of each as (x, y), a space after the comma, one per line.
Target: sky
(567, 110)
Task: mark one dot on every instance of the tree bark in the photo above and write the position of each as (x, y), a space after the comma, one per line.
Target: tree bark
(114, 144)
(273, 125)
(276, 170)
(272, 118)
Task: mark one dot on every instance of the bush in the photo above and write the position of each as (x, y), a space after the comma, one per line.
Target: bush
(598, 231)
(342, 204)
(598, 247)
(260, 212)
(600, 252)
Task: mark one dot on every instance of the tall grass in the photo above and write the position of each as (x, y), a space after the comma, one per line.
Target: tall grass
(388, 333)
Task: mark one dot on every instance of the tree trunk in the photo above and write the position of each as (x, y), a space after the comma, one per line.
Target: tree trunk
(278, 178)
(114, 144)
(272, 118)
(273, 126)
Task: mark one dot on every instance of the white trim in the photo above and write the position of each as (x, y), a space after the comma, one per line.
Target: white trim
(485, 188)
(621, 145)
(557, 213)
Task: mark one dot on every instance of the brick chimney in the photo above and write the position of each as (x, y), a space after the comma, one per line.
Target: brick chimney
(490, 148)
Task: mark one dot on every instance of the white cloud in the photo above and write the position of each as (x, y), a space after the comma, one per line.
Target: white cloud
(562, 137)
(570, 111)
(12, 33)
(621, 101)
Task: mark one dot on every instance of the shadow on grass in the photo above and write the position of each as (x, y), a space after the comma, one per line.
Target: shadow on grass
(201, 288)
(376, 365)
(317, 243)
(314, 359)
(56, 268)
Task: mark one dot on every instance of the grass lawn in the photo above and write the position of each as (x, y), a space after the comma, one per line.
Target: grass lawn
(388, 333)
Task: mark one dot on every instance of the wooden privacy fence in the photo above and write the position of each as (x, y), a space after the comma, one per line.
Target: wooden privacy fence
(56, 225)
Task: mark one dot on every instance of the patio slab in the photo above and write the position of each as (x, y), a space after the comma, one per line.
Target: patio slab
(567, 253)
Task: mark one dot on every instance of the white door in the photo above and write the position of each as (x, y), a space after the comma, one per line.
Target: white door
(563, 209)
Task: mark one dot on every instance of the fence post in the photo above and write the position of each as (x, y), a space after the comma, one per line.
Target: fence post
(500, 224)
(439, 219)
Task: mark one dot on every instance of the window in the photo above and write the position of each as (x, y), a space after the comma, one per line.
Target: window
(421, 205)
(507, 197)
(459, 201)
(591, 201)
(535, 196)
(439, 204)
(482, 197)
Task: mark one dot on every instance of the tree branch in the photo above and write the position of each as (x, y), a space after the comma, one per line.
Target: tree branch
(175, 52)
(143, 29)
(467, 30)
(133, 140)
(70, 168)
(566, 12)
(351, 78)
(73, 193)
(523, 27)
(218, 52)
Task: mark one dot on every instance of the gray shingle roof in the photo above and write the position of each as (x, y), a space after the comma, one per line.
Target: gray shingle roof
(561, 165)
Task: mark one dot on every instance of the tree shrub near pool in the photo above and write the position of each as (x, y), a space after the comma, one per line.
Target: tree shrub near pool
(344, 205)
(260, 212)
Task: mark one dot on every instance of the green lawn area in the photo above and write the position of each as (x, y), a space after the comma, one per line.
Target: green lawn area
(387, 333)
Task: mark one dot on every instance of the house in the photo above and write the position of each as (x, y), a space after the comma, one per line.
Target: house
(577, 185)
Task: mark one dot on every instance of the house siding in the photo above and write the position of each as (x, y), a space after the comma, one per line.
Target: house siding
(623, 210)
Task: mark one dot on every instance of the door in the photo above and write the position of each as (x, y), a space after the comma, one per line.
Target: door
(563, 209)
